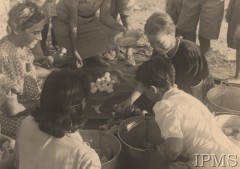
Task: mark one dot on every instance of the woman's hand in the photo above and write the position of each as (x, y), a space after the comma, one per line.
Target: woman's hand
(48, 62)
(79, 62)
(60, 54)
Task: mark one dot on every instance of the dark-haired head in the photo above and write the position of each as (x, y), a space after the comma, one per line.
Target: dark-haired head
(23, 16)
(62, 102)
(158, 72)
(159, 22)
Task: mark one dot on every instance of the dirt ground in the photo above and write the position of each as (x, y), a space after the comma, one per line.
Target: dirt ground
(221, 59)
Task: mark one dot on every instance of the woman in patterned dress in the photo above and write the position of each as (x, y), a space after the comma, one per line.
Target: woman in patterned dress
(81, 32)
(16, 59)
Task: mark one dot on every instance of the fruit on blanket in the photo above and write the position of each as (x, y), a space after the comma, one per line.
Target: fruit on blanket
(237, 136)
(94, 89)
(107, 74)
(103, 84)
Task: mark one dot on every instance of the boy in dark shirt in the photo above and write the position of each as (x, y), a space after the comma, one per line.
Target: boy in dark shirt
(192, 74)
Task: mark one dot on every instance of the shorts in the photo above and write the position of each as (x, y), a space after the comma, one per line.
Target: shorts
(124, 7)
(209, 12)
(233, 24)
(173, 8)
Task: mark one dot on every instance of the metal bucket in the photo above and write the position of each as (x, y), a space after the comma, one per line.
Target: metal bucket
(101, 140)
(224, 99)
(133, 132)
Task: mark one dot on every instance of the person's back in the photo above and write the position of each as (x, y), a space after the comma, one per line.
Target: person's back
(49, 138)
(197, 126)
(37, 149)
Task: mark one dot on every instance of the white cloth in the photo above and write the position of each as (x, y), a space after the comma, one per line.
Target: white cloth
(181, 115)
(35, 149)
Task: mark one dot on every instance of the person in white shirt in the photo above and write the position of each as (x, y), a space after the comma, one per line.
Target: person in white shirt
(188, 127)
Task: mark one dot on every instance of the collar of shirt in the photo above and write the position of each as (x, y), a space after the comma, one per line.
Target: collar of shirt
(174, 90)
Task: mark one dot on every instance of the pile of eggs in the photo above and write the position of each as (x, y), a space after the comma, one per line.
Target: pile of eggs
(103, 84)
(232, 132)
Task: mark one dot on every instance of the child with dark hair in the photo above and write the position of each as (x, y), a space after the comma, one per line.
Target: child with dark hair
(187, 126)
(49, 138)
(192, 74)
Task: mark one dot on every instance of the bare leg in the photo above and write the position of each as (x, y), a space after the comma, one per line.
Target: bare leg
(204, 44)
(126, 21)
(191, 36)
(42, 72)
(237, 63)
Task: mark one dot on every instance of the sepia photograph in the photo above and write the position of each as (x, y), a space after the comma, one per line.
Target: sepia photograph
(120, 84)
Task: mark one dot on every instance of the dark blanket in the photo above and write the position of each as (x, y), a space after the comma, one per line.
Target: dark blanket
(103, 101)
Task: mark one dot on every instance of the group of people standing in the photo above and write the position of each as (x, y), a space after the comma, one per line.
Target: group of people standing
(209, 14)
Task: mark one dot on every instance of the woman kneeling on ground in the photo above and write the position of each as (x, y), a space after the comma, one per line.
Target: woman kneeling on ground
(82, 33)
(16, 59)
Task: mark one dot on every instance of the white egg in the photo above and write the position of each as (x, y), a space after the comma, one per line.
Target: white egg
(98, 80)
(108, 79)
(101, 89)
(92, 84)
(104, 85)
(107, 74)
(110, 86)
(93, 90)
(110, 90)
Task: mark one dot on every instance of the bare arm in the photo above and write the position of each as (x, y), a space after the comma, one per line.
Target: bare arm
(73, 23)
(132, 98)
(72, 16)
(197, 91)
(107, 19)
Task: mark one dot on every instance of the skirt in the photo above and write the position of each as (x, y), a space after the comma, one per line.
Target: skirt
(93, 38)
